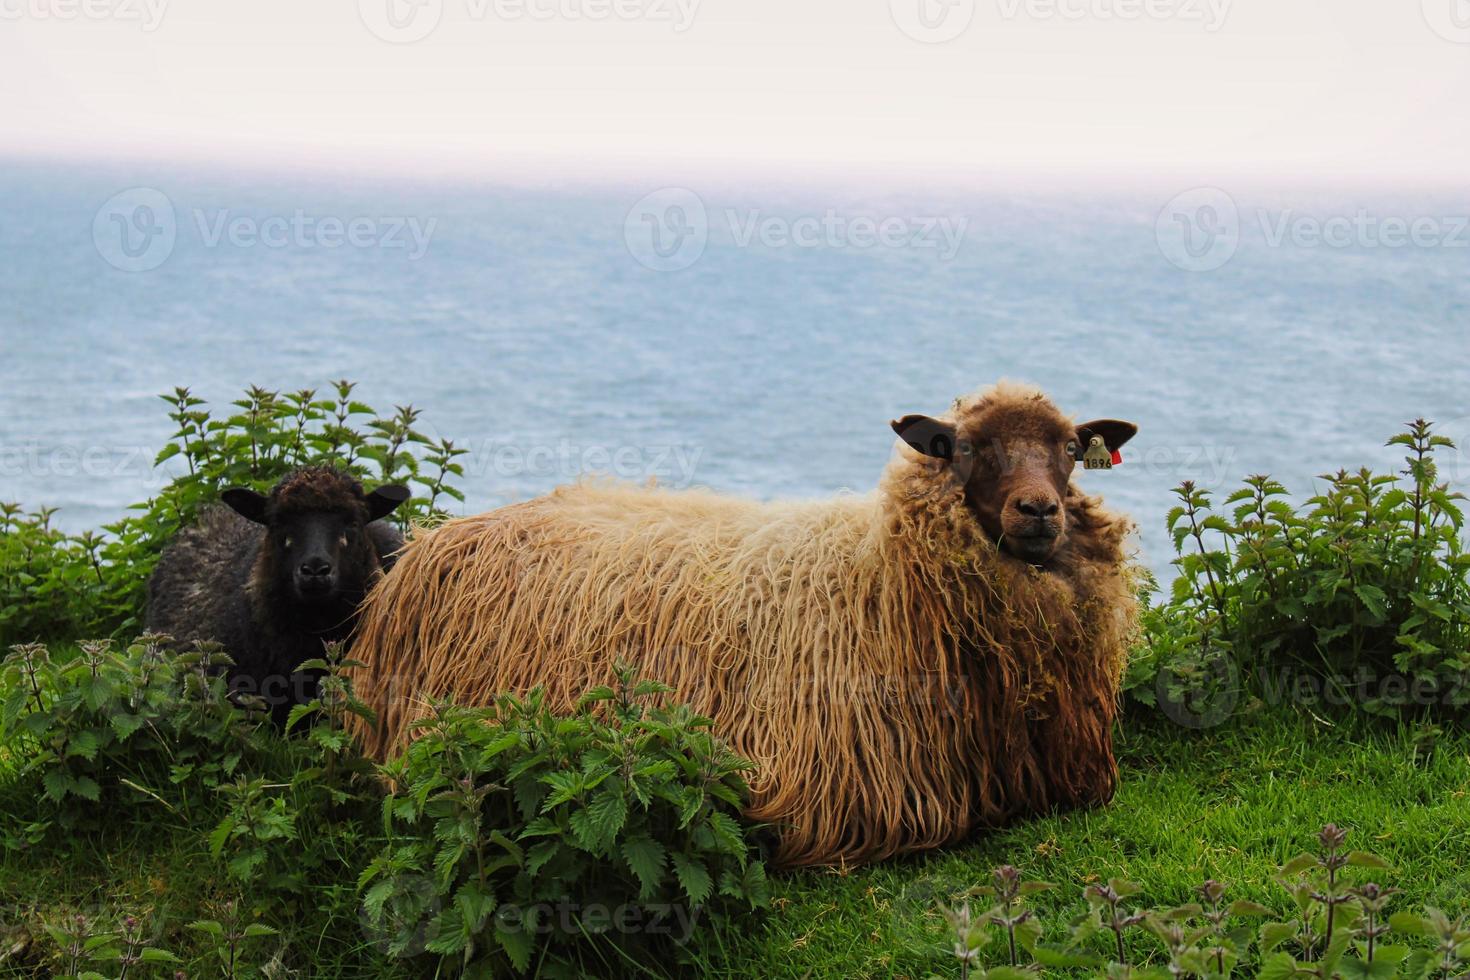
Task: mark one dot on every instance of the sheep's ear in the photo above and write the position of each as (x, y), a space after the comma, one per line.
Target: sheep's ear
(926, 435)
(382, 500)
(245, 502)
(1114, 433)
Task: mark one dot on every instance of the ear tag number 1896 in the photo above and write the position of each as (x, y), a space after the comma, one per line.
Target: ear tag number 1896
(1097, 456)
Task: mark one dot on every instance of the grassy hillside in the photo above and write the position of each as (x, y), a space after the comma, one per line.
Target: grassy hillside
(1231, 804)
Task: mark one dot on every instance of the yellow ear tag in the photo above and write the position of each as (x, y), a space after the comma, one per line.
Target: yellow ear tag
(1097, 456)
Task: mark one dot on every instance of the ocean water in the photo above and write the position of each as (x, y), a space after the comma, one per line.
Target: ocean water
(753, 341)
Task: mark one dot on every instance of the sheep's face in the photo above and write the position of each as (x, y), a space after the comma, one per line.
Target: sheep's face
(1015, 459)
(318, 557)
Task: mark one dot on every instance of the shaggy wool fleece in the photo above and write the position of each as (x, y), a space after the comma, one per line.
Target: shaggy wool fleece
(898, 680)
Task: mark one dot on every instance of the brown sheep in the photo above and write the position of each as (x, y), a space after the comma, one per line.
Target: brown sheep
(905, 667)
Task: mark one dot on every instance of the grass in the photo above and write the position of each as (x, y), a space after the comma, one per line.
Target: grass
(1230, 804)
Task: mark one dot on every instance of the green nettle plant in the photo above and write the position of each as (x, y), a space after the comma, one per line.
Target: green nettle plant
(102, 725)
(232, 940)
(267, 838)
(84, 954)
(1357, 597)
(56, 586)
(562, 845)
(1336, 928)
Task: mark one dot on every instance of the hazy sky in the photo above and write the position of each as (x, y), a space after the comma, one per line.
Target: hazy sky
(1322, 88)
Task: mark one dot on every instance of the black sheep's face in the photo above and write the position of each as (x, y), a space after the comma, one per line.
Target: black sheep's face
(318, 557)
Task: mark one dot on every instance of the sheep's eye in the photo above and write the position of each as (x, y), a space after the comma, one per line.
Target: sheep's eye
(966, 449)
(343, 539)
(1072, 448)
(288, 540)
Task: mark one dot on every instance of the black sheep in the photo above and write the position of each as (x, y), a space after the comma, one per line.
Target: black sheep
(274, 578)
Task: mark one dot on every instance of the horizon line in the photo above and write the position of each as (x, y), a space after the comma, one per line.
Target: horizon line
(573, 171)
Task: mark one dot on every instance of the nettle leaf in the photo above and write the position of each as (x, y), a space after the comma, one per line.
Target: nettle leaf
(85, 744)
(519, 945)
(447, 933)
(1362, 859)
(609, 811)
(1244, 907)
(586, 833)
(565, 786)
(57, 783)
(540, 854)
(124, 725)
(645, 858)
(1380, 969)
(1410, 924)
(1298, 864)
(1273, 934)
(727, 834)
(693, 877)
(1277, 966)
(1008, 973)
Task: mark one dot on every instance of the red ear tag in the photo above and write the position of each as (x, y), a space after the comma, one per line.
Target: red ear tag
(1117, 457)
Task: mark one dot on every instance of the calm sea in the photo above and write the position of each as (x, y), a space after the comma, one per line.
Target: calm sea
(752, 341)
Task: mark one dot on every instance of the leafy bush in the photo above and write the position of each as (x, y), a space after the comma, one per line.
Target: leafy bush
(515, 836)
(520, 837)
(51, 583)
(105, 722)
(1332, 928)
(1357, 597)
(55, 586)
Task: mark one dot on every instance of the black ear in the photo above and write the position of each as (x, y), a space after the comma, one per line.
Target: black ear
(245, 502)
(383, 500)
(928, 436)
(1114, 433)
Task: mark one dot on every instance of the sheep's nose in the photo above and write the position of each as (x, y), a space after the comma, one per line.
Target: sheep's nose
(316, 568)
(1038, 508)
